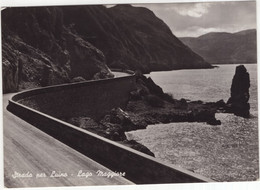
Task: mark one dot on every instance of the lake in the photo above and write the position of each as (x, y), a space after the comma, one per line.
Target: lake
(228, 152)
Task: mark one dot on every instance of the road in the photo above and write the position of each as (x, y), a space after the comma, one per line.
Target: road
(120, 74)
(36, 158)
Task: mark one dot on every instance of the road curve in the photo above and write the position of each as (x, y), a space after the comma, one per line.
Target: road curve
(27, 150)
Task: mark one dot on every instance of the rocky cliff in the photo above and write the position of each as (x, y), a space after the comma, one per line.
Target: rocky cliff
(39, 50)
(52, 45)
(132, 38)
(222, 47)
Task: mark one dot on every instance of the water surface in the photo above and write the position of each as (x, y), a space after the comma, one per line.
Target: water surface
(228, 152)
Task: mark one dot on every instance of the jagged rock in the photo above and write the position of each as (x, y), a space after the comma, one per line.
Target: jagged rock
(220, 104)
(78, 79)
(102, 75)
(39, 50)
(117, 116)
(146, 89)
(83, 122)
(154, 88)
(115, 132)
(238, 102)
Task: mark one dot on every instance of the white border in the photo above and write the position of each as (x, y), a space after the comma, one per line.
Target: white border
(17, 3)
(204, 186)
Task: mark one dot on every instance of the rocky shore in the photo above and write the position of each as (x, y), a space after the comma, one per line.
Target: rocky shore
(148, 104)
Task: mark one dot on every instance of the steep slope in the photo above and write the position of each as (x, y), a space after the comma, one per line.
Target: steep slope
(221, 47)
(38, 50)
(52, 45)
(132, 38)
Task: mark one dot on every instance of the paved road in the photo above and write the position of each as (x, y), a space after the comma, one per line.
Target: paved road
(29, 151)
(120, 74)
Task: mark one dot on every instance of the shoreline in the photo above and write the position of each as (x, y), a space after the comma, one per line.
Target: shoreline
(227, 152)
(147, 105)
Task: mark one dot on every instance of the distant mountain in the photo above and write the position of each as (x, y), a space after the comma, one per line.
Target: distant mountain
(223, 47)
(51, 45)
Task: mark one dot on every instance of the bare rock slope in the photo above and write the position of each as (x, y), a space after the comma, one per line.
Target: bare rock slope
(39, 50)
(52, 45)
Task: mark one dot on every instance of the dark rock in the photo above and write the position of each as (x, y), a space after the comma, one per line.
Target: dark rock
(137, 146)
(238, 102)
(85, 59)
(77, 79)
(120, 118)
(135, 95)
(154, 100)
(103, 74)
(220, 104)
(39, 50)
(147, 89)
(214, 122)
(154, 88)
(51, 45)
(131, 43)
(83, 122)
(115, 132)
(183, 104)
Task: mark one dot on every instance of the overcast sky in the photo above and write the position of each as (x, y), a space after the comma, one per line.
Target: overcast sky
(195, 19)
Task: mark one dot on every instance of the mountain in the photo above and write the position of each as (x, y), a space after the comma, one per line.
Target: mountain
(51, 45)
(223, 47)
(39, 50)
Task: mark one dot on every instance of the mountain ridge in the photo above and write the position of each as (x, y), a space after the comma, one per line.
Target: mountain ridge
(51, 45)
(224, 47)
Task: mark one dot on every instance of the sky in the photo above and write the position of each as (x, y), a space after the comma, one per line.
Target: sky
(196, 19)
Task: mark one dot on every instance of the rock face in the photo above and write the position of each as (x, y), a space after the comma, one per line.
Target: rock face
(113, 126)
(39, 50)
(132, 38)
(238, 102)
(222, 47)
(150, 105)
(51, 45)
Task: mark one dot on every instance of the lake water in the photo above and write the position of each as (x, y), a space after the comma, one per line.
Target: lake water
(228, 152)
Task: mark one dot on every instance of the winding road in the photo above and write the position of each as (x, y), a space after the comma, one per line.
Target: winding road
(34, 159)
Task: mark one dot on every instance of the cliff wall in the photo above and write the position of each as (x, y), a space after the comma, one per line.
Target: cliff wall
(44, 46)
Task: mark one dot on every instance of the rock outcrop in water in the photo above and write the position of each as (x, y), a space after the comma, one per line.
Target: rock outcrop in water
(113, 126)
(52, 45)
(238, 102)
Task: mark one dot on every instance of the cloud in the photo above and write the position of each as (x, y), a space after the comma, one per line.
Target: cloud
(184, 9)
(192, 10)
(195, 19)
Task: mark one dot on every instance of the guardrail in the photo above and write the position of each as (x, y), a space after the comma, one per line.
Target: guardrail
(139, 167)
